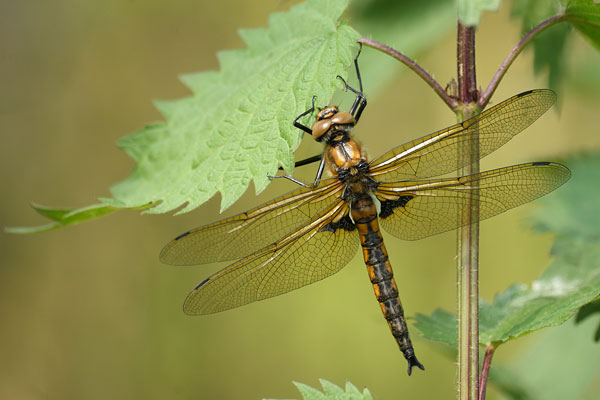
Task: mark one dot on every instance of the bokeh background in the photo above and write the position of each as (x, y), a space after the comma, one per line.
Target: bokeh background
(89, 311)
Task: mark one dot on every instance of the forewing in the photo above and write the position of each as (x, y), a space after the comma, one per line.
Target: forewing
(243, 234)
(298, 259)
(437, 153)
(435, 205)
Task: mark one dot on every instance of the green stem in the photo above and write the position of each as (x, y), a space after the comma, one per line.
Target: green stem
(468, 234)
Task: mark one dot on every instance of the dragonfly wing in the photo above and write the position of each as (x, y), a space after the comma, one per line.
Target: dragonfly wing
(437, 153)
(247, 232)
(316, 251)
(426, 208)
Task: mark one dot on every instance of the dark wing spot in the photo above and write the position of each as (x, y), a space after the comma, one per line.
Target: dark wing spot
(388, 206)
(540, 163)
(345, 223)
(524, 93)
(182, 235)
(201, 283)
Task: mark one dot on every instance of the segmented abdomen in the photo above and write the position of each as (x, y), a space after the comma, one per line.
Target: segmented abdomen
(364, 214)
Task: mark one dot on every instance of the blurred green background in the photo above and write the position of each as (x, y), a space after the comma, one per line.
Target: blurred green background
(89, 311)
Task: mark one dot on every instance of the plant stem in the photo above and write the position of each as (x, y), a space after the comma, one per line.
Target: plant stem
(449, 100)
(485, 370)
(468, 234)
(489, 91)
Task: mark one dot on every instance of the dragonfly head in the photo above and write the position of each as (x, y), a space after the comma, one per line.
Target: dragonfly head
(328, 118)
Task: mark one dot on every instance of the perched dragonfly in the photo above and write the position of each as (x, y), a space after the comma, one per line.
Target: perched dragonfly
(312, 232)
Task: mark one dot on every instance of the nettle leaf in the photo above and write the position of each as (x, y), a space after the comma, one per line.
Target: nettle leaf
(440, 326)
(584, 15)
(469, 11)
(62, 217)
(332, 392)
(571, 281)
(555, 354)
(237, 125)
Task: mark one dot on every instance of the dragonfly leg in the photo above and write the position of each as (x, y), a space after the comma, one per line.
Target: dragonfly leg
(300, 125)
(319, 172)
(306, 161)
(291, 178)
(361, 101)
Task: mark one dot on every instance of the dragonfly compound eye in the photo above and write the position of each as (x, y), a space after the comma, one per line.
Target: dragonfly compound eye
(320, 128)
(343, 118)
(328, 117)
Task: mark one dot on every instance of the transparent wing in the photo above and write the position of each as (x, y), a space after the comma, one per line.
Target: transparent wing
(298, 259)
(437, 153)
(435, 205)
(247, 232)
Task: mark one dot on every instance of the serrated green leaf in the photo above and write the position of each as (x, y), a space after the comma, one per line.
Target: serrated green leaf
(440, 326)
(469, 11)
(309, 393)
(584, 15)
(331, 389)
(237, 125)
(571, 281)
(63, 217)
(567, 351)
(332, 392)
(351, 389)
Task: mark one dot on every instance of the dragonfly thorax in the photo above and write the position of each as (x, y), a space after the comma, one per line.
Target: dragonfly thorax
(346, 158)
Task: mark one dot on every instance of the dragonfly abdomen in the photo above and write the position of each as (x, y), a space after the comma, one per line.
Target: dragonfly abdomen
(364, 214)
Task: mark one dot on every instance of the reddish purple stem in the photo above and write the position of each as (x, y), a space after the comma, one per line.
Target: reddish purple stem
(485, 370)
(450, 101)
(489, 91)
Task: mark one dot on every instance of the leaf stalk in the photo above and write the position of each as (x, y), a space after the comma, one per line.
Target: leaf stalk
(485, 369)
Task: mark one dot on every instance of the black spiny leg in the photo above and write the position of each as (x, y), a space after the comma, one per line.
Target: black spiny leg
(319, 172)
(309, 160)
(304, 162)
(304, 127)
(361, 101)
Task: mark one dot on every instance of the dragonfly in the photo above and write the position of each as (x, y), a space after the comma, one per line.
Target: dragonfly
(313, 231)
